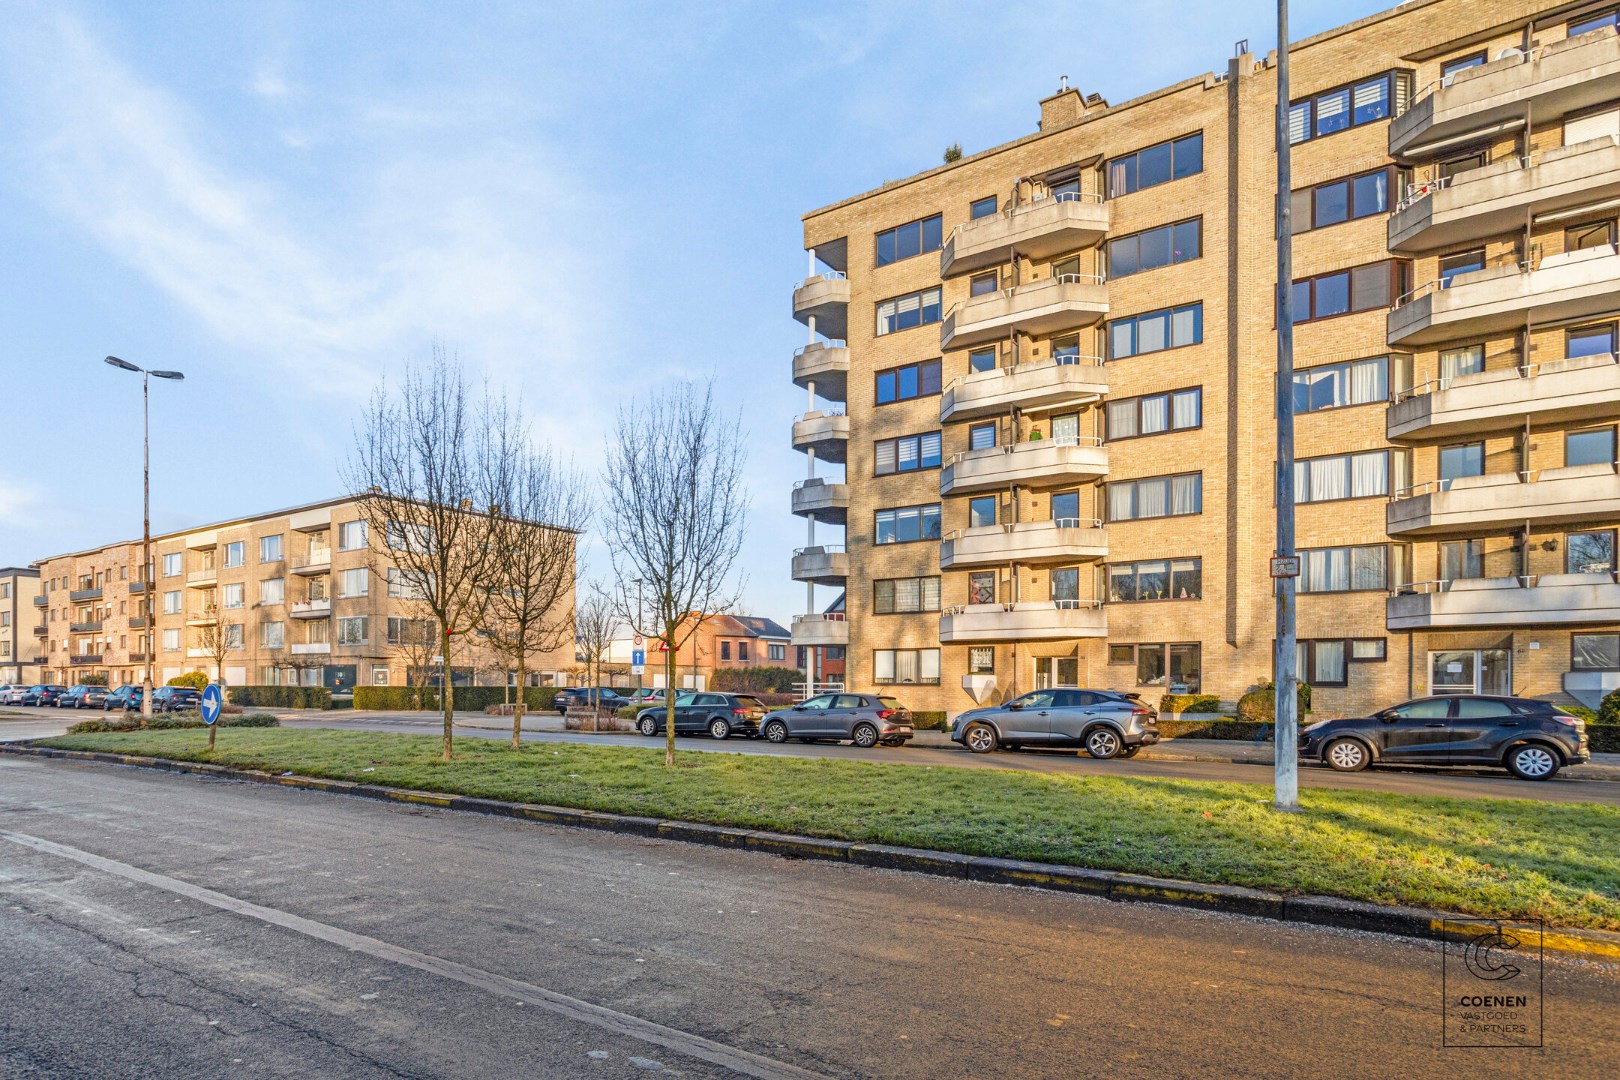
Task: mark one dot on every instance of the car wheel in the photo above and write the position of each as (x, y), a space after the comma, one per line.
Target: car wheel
(1103, 743)
(1533, 762)
(864, 736)
(894, 742)
(1346, 755)
(776, 732)
(1129, 751)
(647, 726)
(979, 738)
(719, 729)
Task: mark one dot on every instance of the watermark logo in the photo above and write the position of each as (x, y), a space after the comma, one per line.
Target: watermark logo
(1491, 982)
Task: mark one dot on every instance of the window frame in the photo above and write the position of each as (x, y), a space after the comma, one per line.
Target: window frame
(922, 307)
(1573, 653)
(1110, 485)
(922, 516)
(1169, 412)
(1388, 547)
(1135, 321)
(1135, 156)
(976, 214)
(1170, 580)
(1392, 362)
(1614, 551)
(893, 607)
(893, 666)
(1392, 94)
(922, 239)
(1399, 272)
(1390, 484)
(1168, 228)
(1392, 180)
(939, 442)
(919, 367)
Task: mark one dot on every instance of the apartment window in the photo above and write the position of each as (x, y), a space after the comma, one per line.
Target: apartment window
(315, 631)
(1594, 234)
(1464, 262)
(1340, 200)
(983, 284)
(351, 535)
(1595, 652)
(1175, 667)
(1153, 248)
(232, 595)
(273, 635)
(1594, 446)
(171, 603)
(981, 511)
(1363, 568)
(356, 582)
(272, 591)
(742, 651)
(171, 641)
(981, 436)
(1353, 382)
(1462, 559)
(400, 586)
(1342, 108)
(1154, 331)
(905, 524)
(910, 381)
(408, 631)
(912, 238)
(1154, 414)
(1589, 552)
(905, 596)
(235, 553)
(270, 548)
(1349, 476)
(233, 635)
(1462, 63)
(725, 650)
(1455, 363)
(776, 653)
(919, 666)
(981, 208)
(1156, 497)
(982, 360)
(1160, 579)
(1343, 292)
(1462, 459)
(1323, 662)
(908, 453)
(981, 660)
(904, 312)
(1066, 507)
(982, 587)
(173, 564)
(1156, 165)
(1590, 341)
(352, 630)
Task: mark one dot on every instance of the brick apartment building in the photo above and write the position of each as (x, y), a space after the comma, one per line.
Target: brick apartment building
(1047, 370)
(723, 642)
(22, 640)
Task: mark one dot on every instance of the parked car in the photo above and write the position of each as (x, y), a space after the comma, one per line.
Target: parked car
(126, 697)
(175, 698)
(42, 694)
(1107, 723)
(83, 697)
(721, 715)
(605, 696)
(658, 696)
(863, 719)
(1530, 739)
(12, 693)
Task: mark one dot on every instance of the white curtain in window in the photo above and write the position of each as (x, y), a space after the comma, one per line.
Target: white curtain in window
(1152, 332)
(1118, 177)
(1121, 419)
(928, 664)
(905, 666)
(1066, 429)
(1327, 570)
(1155, 414)
(1152, 498)
(1184, 412)
(908, 594)
(1367, 568)
(930, 594)
(883, 665)
(1329, 662)
(1328, 478)
(1120, 503)
(1188, 496)
(1369, 380)
(1371, 474)
(1122, 339)
(1464, 361)
(1184, 326)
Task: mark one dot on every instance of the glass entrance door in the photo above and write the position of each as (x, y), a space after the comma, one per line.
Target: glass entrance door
(1056, 671)
(1471, 671)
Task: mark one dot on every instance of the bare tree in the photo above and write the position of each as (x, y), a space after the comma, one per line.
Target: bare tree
(538, 506)
(418, 642)
(676, 515)
(415, 475)
(595, 620)
(216, 639)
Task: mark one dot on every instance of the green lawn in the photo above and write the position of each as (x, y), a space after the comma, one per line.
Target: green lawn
(1505, 858)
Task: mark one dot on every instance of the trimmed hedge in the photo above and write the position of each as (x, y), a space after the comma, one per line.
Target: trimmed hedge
(465, 698)
(756, 680)
(168, 722)
(1260, 704)
(282, 697)
(1604, 738)
(194, 679)
(1211, 729)
(1184, 703)
(930, 721)
(1609, 708)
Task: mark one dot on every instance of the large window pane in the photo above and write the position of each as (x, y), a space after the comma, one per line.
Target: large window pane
(1155, 414)
(1594, 447)
(1332, 204)
(1589, 552)
(1465, 459)
(1187, 240)
(981, 511)
(1153, 165)
(1122, 583)
(1122, 419)
(1332, 112)
(1371, 100)
(1150, 666)
(1153, 332)
(1332, 296)
(1595, 652)
(1370, 194)
(1189, 156)
(1187, 325)
(1155, 248)
(1186, 409)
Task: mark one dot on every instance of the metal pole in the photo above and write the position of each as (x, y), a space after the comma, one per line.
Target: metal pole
(146, 541)
(1286, 767)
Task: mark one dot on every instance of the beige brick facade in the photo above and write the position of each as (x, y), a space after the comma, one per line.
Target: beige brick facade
(1232, 448)
(22, 645)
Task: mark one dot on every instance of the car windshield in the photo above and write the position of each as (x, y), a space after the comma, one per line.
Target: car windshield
(749, 702)
(891, 703)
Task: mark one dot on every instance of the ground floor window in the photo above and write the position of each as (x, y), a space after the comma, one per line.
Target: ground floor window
(981, 660)
(1056, 671)
(906, 666)
(1595, 652)
(1471, 671)
(1176, 667)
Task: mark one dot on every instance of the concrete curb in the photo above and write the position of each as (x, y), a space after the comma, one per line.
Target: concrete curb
(1232, 899)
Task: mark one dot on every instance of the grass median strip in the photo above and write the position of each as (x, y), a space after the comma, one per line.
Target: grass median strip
(1508, 858)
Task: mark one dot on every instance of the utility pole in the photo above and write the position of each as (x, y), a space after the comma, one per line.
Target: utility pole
(1285, 565)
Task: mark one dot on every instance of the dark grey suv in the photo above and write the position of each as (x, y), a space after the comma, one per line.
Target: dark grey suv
(1107, 723)
(863, 719)
(1530, 739)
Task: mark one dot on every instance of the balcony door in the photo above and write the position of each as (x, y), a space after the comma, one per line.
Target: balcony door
(1471, 671)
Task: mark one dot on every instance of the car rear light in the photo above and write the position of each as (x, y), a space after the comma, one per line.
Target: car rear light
(1141, 710)
(739, 712)
(1574, 723)
(884, 714)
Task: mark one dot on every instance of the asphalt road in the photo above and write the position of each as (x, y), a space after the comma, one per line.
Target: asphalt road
(168, 926)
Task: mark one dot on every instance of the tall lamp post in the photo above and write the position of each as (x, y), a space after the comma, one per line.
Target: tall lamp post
(147, 576)
(1285, 565)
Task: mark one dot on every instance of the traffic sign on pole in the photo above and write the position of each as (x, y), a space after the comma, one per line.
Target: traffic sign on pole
(213, 703)
(638, 658)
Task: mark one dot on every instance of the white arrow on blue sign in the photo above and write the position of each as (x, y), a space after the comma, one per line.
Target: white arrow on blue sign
(638, 657)
(213, 703)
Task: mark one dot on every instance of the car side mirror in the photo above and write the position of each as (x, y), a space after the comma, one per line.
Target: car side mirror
(1015, 704)
(798, 708)
(1389, 716)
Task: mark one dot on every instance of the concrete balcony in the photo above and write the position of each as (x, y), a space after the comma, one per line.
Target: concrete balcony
(1577, 390)
(821, 631)
(1025, 620)
(1549, 82)
(310, 609)
(316, 562)
(1032, 543)
(1044, 386)
(826, 364)
(42, 600)
(311, 648)
(1486, 202)
(91, 627)
(1498, 299)
(42, 630)
(828, 502)
(824, 298)
(85, 658)
(821, 565)
(1043, 463)
(199, 654)
(1546, 600)
(311, 521)
(1492, 503)
(1036, 230)
(827, 433)
(202, 618)
(1049, 306)
(206, 578)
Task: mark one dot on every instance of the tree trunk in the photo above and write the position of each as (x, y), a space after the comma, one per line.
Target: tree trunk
(517, 709)
(669, 705)
(446, 694)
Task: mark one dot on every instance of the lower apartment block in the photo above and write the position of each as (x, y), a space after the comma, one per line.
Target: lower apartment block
(1040, 421)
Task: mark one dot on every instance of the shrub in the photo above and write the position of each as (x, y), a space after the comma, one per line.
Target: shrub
(282, 697)
(94, 680)
(1245, 730)
(1603, 738)
(469, 698)
(930, 721)
(194, 679)
(168, 722)
(1609, 708)
(1260, 704)
(1581, 711)
(756, 680)
(1185, 703)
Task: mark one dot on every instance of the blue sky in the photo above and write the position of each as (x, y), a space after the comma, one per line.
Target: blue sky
(287, 201)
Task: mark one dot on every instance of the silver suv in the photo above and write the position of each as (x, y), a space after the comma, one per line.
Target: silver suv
(1106, 723)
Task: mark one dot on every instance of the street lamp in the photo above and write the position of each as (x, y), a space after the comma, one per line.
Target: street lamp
(146, 525)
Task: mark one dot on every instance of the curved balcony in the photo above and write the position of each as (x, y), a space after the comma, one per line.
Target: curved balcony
(1024, 620)
(1497, 299)
(826, 364)
(821, 565)
(821, 631)
(827, 433)
(1576, 390)
(1498, 501)
(1049, 306)
(1065, 382)
(828, 502)
(1554, 80)
(1039, 230)
(1481, 203)
(824, 298)
(1033, 543)
(1043, 463)
(1542, 600)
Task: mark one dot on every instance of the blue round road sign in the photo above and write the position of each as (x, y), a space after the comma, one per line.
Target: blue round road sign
(213, 703)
